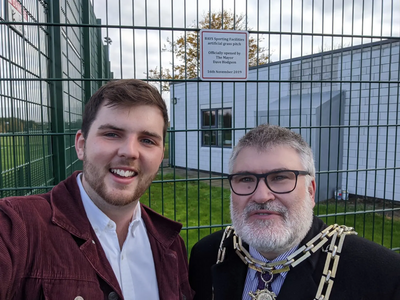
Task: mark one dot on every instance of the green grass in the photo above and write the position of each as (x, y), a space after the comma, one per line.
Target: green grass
(192, 203)
(203, 209)
(24, 161)
(381, 228)
(166, 150)
(17, 150)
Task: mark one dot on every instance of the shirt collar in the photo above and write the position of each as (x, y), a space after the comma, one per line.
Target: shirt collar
(254, 253)
(99, 220)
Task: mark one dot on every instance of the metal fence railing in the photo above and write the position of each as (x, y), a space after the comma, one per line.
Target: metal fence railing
(327, 69)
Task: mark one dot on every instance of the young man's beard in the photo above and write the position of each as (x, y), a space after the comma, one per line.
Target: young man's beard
(95, 178)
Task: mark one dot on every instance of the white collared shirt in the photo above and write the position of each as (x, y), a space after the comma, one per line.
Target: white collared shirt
(251, 282)
(133, 265)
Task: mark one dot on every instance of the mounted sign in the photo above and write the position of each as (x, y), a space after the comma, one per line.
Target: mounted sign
(224, 54)
(15, 12)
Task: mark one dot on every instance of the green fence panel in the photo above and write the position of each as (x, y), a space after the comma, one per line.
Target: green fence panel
(42, 91)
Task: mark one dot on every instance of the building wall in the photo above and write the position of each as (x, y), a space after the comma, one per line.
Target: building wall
(367, 78)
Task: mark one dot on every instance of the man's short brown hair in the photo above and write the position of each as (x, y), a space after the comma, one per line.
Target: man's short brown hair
(125, 93)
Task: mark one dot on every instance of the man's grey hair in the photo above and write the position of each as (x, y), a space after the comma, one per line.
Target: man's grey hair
(266, 136)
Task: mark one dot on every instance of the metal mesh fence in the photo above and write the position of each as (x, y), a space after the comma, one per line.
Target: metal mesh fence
(326, 69)
(42, 89)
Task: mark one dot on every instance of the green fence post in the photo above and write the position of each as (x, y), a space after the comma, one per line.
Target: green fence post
(101, 56)
(87, 57)
(56, 94)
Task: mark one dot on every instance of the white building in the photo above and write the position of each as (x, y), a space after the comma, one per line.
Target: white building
(344, 102)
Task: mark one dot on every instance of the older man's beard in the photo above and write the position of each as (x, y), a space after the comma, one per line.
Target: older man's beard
(276, 236)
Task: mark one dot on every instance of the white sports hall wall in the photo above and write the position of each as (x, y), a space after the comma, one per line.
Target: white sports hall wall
(344, 102)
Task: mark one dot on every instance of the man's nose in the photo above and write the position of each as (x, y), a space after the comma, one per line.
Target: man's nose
(262, 193)
(129, 148)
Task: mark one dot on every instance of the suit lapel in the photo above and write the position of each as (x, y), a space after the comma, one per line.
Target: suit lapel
(303, 280)
(299, 283)
(229, 276)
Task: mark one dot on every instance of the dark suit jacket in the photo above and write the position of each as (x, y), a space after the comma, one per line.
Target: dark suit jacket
(367, 271)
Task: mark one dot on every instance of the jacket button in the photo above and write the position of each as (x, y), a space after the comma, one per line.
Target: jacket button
(113, 296)
(78, 298)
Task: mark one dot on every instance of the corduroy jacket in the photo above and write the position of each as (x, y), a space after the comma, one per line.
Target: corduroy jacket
(48, 250)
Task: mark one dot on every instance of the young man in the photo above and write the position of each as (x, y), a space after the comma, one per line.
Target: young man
(276, 248)
(90, 237)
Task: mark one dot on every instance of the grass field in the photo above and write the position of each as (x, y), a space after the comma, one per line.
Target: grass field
(210, 206)
(24, 161)
(17, 150)
(194, 204)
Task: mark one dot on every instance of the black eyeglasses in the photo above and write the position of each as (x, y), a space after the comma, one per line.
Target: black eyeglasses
(279, 182)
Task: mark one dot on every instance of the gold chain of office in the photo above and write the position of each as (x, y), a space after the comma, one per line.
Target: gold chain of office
(336, 233)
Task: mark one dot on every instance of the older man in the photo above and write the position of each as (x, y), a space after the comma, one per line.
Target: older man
(90, 237)
(276, 248)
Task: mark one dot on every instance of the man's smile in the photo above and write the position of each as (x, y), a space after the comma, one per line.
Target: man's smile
(123, 173)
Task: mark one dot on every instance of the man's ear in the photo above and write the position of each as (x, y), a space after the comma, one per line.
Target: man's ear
(79, 144)
(312, 189)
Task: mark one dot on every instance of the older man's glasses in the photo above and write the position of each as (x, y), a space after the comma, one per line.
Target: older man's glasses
(279, 182)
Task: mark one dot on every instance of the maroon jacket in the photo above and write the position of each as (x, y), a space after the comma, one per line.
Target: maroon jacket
(48, 250)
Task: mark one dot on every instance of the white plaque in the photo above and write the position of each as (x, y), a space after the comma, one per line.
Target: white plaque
(224, 54)
(15, 12)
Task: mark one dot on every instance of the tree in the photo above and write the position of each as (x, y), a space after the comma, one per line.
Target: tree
(186, 48)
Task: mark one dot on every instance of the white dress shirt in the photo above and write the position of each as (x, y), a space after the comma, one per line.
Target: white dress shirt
(252, 278)
(133, 265)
